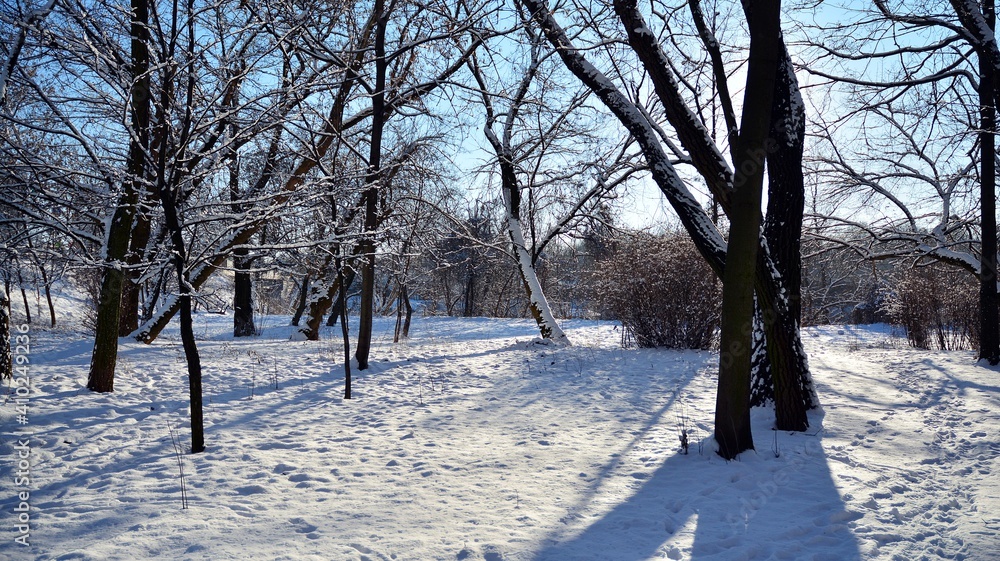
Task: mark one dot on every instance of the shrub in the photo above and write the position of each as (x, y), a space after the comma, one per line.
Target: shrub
(662, 291)
(938, 306)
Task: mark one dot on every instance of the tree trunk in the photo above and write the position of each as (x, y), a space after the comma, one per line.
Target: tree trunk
(469, 303)
(322, 295)
(732, 415)
(24, 296)
(337, 311)
(786, 185)
(761, 380)
(304, 298)
(194, 370)
(105, 356)
(243, 320)
(372, 180)
(243, 324)
(402, 303)
(989, 330)
(409, 313)
(342, 304)
(538, 305)
(139, 239)
(6, 359)
(48, 300)
(782, 373)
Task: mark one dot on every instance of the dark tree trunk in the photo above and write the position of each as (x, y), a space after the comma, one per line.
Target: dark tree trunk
(300, 308)
(402, 303)
(784, 346)
(409, 313)
(47, 286)
(732, 415)
(128, 315)
(168, 194)
(194, 373)
(24, 297)
(105, 356)
(786, 185)
(243, 321)
(348, 275)
(243, 324)
(989, 330)
(139, 239)
(469, 302)
(781, 373)
(372, 180)
(342, 282)
(6, 362)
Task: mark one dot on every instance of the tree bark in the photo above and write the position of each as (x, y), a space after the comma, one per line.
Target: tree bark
(372, 181)
(781, 370)
(336, 311)
(101, 377)
(304, 299)
(732, 415)
(342, 304)
(243, 320)
(989, 330)
(168, 194)
(6, 359)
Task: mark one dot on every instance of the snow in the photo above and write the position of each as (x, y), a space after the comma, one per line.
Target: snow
(473, 442)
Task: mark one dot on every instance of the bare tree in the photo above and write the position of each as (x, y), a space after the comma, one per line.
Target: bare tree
(793, 389)
(6, 363)
(934, 61)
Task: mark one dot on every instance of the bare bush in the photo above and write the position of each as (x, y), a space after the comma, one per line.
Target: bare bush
(662, 291)
(937, 306)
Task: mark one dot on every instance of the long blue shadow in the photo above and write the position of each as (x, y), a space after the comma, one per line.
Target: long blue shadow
(763, 507)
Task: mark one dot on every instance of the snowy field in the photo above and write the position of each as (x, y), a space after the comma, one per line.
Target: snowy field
(471, 442)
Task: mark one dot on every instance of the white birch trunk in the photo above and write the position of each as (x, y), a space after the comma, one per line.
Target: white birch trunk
(537, 303)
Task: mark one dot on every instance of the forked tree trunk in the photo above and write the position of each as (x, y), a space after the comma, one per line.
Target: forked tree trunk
(538, 305)
(783, 232)
(785, 346)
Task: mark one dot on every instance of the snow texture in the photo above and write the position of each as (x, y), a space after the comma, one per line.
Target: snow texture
(473, 442)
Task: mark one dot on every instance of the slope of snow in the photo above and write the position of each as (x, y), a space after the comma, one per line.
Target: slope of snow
(472, 441)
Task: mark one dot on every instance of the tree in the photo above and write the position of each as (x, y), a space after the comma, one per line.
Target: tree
(928, 64)
(793, 390)
(545, 146)
(101, 377)
(732, 414)
(6, 359)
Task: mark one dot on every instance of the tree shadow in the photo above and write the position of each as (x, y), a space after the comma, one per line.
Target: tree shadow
(701, 507)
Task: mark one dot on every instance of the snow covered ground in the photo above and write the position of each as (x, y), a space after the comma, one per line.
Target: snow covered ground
(471, 442)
